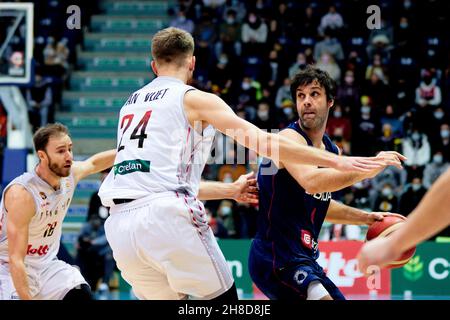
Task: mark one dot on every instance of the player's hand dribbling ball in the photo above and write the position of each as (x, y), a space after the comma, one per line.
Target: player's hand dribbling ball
(385, 227)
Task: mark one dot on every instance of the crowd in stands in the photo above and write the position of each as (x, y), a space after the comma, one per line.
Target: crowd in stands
(392, 87)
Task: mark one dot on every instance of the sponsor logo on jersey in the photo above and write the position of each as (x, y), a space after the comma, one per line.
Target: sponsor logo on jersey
(308, 240)
(300, 276)
(42, 195)
(130, 166)
(324, 196)
(41, 251)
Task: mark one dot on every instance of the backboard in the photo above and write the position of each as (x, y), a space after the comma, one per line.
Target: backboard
(16, 43)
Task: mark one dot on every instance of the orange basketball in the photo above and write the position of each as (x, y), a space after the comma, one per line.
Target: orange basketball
(383, 229)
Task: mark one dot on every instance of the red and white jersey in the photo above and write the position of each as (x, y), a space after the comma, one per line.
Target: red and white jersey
(158, 150)
(44, 232)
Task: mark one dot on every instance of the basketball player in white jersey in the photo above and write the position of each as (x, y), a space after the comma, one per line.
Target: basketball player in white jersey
(157, 226)
(33, 208)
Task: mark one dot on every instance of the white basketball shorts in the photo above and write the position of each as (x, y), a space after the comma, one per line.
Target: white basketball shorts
(166, 250)
(49, 282)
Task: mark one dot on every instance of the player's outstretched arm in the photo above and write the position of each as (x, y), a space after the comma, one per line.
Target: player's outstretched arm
(242, 190)
(343, 214)
(317, 180)
(202, 106)
(21, 208)
(98, 162)
(430, 216)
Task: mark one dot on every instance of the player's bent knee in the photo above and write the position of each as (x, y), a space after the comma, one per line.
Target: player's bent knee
(79, 293)
(316, 291)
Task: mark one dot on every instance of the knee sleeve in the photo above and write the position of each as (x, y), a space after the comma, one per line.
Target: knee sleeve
(79, 293)
(229, 296)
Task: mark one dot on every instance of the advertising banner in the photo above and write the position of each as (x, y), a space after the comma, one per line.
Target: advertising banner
(236, 254)
(339, 262)
(427, 274)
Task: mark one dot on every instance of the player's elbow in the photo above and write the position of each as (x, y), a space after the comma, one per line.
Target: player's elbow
(309, 185)
(312, 189)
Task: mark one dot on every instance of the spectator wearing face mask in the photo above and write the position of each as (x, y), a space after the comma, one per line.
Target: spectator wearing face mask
(182, 22)
(229, 36)
(222, 76)
(264, 119)
(297, 65)
(348, 93)
(331, 45)
(378, 68)
(444, 141)
(338, 120)
(327, 63)
(283, 93)
(417, 150)
(433, 128)
(287, 113)
(428, 93)
(434, 169)
(390, 117)
(254, 35)
(332, 20)
(365, 130)
(225, 214)
(414, 192)
(388, 141)
(386, 200)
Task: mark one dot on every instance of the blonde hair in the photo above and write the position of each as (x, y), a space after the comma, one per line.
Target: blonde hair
(172, 45)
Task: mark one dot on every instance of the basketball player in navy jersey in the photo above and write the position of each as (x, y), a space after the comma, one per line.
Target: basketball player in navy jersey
(295, 199)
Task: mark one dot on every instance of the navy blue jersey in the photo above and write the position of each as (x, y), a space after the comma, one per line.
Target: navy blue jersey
(290, 219)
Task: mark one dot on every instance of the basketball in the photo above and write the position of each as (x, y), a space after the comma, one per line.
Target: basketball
(386, 227)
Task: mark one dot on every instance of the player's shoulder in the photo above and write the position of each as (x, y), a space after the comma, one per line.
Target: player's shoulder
(293, 134)
(17, 193)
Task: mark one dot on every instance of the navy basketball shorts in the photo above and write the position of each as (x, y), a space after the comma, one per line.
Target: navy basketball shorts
(286, 283)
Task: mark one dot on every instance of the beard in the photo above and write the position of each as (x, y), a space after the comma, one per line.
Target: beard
(315, 123)
(59, 171)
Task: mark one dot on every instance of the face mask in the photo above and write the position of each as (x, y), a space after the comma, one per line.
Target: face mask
(387, 192)
(445, 134)
(230, 20)
(246, 85)
(416, 186)
(227, 180)
(226, 211)
(437, 159)
(365, 109)
(438, 114)
(325, 59)
(337, 114)
(415, 136)
(263, 115)
(403, 25)
(223, 60)
(287, 111)
(182, 19)
(349, 79)
(252, 19)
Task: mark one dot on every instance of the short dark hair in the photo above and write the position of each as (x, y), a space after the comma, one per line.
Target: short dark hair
(43, 134)
(308, 75)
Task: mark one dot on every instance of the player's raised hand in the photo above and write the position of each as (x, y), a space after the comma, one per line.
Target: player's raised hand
(389, 158)
(246, 189)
